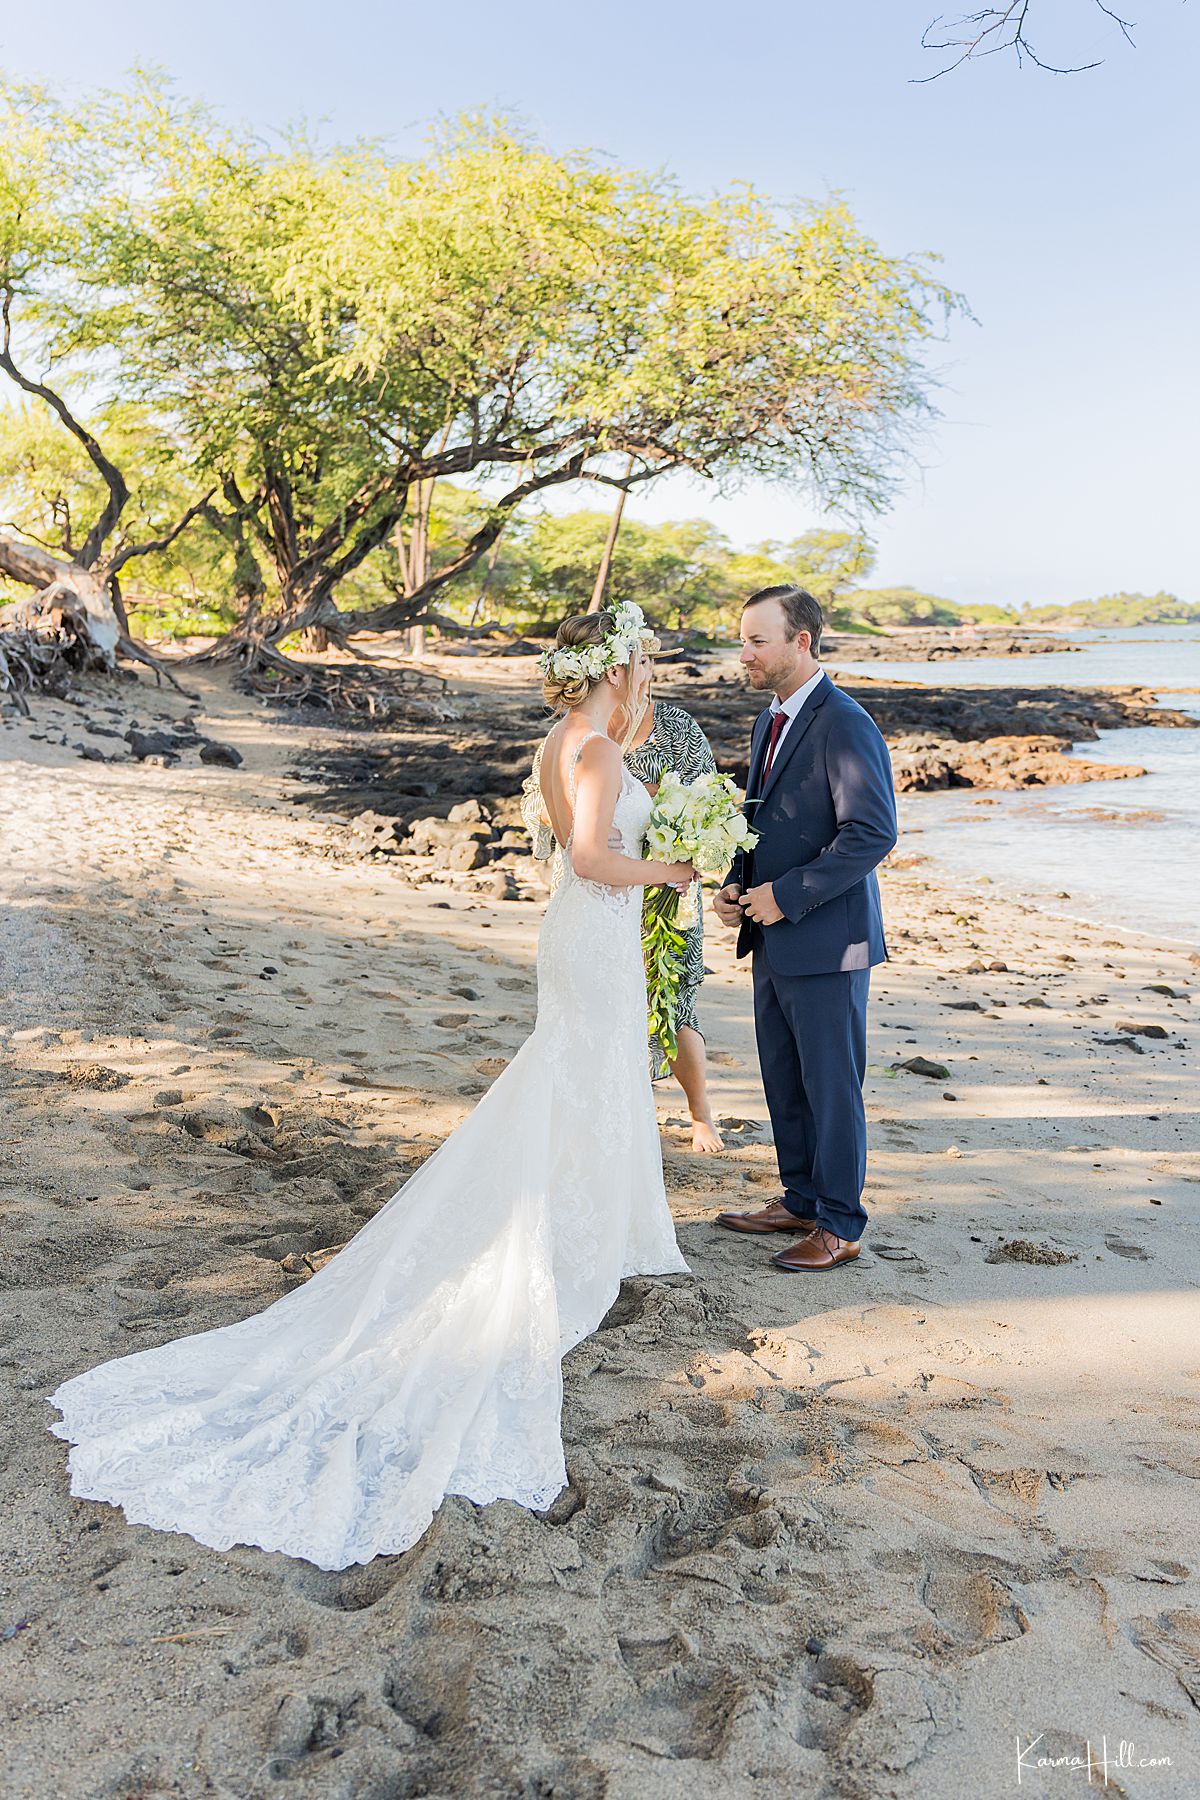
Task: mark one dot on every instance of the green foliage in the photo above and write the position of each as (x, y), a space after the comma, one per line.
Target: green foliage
(663, 946)
(51, 493)
(158, 616)
(1118, 609)
(38, 157)
(317, 330)
(827, 563)
(677, 572)
(908, 606)
(684, 574)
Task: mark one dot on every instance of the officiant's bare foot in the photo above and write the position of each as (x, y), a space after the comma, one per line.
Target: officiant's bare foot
(706, 1139)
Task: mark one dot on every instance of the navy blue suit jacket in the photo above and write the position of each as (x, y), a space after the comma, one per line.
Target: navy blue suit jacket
(825, 817)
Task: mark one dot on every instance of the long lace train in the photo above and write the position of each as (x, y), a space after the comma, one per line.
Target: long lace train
(425, 1358)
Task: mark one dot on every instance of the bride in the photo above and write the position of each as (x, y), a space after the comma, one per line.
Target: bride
(425, 1358)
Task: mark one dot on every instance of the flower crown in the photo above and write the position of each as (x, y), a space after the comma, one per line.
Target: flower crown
(613, 651)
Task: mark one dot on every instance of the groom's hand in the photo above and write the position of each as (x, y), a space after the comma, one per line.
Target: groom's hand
(759, 904)
(725, 905)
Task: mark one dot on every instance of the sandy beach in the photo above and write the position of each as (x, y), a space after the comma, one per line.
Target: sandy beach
(868, 1535)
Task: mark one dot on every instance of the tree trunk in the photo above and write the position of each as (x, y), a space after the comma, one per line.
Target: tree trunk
(415, 562)
(66, 594)
(610, 544)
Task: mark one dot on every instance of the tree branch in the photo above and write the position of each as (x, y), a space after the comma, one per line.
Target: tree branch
(117, 563)
(404, 611)
(118, 489)
(996, 28)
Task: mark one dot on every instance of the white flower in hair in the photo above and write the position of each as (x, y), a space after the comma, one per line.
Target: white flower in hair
(616, 647)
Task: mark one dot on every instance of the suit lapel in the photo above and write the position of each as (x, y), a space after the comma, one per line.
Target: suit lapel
(795, 732)
(758, 750)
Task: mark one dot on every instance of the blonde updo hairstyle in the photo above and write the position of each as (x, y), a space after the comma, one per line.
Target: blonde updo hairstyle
(580, 632)
(565, 692)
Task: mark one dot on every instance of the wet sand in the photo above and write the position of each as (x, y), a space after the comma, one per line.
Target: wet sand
(855, 1535)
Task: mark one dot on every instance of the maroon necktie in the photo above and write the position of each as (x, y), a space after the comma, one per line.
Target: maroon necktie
(777, 724)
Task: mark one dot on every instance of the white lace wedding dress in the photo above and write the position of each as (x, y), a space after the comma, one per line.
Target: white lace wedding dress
(425, 1358)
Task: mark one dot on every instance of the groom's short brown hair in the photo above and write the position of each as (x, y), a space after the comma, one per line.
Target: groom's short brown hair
(800, 609)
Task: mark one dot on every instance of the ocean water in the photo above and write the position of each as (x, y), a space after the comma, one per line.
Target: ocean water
(1124, 852)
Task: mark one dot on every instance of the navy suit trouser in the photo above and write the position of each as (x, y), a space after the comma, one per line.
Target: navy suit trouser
(812, 1049)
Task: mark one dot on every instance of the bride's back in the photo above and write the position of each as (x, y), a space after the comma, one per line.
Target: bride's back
(557, 765)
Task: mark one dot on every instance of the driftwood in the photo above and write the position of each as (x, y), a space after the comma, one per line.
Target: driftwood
(36, 662)
(366, 693)
(67, 594)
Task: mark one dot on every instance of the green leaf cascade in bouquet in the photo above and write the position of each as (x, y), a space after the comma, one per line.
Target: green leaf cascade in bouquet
(700, 822)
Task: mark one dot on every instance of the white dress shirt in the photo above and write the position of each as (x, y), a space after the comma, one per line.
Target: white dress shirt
(791, 706)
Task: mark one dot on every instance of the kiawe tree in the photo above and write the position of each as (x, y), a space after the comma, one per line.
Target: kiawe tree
(327, 332)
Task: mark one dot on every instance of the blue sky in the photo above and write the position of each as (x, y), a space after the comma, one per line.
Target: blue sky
(1064, 208)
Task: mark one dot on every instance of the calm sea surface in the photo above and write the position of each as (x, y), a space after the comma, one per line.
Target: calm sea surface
(1124, 851)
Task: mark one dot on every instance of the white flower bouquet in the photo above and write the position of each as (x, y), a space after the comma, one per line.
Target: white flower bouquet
(700, 822)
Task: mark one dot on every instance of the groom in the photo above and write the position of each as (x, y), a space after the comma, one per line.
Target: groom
(805, 902)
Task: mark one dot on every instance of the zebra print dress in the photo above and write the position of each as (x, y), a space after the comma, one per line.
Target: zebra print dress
(676, 742)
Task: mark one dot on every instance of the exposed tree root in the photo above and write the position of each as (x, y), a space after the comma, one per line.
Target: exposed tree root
(136, 652)
(33, 662)
(355, 692)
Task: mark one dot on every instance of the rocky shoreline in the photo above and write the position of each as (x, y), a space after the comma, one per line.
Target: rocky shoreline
(442, 788)
(433, 780)
(940, 643)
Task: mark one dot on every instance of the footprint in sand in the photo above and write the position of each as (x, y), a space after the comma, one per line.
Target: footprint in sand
(145, 1312)
(1173, 1640)
(894, 1252)
(1119, 1247)
(977, 1610)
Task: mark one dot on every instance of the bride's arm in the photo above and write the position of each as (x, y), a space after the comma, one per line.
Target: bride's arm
(597, 785)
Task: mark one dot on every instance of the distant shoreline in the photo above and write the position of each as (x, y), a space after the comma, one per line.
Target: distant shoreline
(935, 643)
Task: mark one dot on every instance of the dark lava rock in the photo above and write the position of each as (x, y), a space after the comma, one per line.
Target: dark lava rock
(150, 743)
(223, 754)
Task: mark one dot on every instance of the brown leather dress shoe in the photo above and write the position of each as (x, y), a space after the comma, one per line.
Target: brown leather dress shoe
(818, 1250)
(775, 1217)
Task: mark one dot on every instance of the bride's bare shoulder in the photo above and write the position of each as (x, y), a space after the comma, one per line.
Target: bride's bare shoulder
(566, 744)
(599, 752)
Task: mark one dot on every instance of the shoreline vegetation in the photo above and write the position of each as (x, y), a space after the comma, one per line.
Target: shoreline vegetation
(688, 578)
(228, 1038)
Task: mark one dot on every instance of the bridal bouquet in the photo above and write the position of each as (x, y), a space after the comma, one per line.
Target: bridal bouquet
(702, 823)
